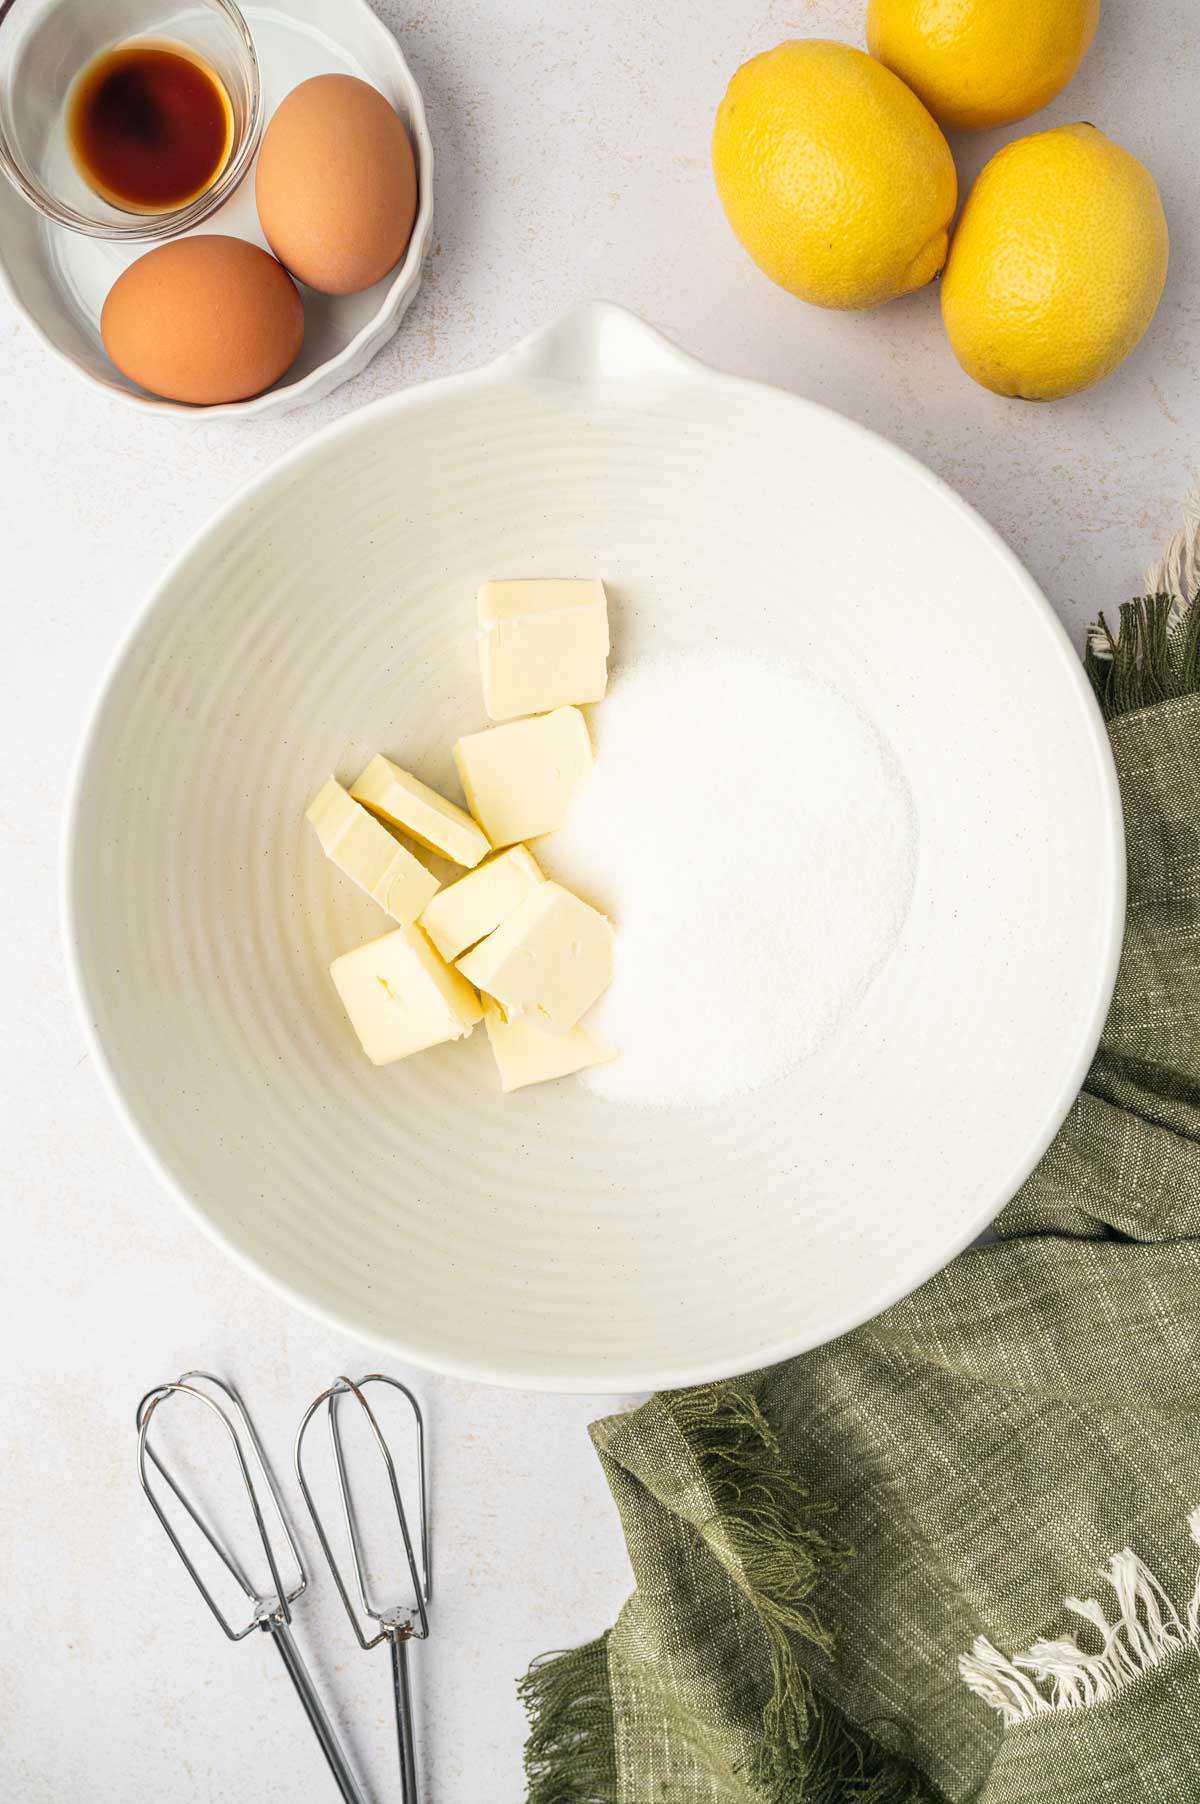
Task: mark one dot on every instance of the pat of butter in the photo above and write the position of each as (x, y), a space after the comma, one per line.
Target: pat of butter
(401, 997)
(465, 912)
(519, 779)
(524, 1055)
(401, 800)
(548, 962)
(366, 852)
(543, 643)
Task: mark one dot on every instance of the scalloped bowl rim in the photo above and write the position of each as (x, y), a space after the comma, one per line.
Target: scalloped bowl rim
(355, 355)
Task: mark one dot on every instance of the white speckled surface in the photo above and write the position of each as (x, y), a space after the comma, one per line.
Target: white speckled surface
(571, 146)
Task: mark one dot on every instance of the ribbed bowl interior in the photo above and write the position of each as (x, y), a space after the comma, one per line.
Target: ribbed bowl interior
(550, 1238)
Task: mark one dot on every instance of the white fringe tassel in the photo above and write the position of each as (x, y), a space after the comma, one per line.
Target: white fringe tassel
(1059, 1675)
(1177, 572)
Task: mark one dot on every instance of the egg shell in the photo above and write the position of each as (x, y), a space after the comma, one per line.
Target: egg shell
(337, 184)
(205, 319)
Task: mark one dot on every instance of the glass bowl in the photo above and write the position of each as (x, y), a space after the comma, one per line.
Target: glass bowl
(44, 44)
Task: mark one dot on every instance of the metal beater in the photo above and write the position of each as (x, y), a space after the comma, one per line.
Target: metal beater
(272, 1613)
(397, 1625)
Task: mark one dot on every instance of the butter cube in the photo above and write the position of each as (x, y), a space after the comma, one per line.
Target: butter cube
(543, 643)
(548, 962)
(524, 1055)
(465, 912)
(367, 853)
(401, 997)
(401, 800)
(519, 779)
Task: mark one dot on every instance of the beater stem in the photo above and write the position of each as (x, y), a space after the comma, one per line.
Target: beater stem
(402, 1693)
(297, 1672)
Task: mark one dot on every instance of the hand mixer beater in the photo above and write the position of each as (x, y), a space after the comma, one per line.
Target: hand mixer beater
(397, 1624)
(271, 1613)
(270, 1609)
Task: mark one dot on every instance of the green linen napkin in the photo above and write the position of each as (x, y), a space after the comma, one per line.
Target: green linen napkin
(953, 1555)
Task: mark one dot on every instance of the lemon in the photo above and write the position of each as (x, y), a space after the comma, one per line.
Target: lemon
(833, 175)
(982, 62)
(1057, 265)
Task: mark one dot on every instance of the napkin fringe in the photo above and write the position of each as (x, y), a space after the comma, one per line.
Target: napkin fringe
(766, 1525)
(1155, 653)
(1154, 656)
(570, 1753)
(770, 1535)
(1177, 571)
(1059, 1676)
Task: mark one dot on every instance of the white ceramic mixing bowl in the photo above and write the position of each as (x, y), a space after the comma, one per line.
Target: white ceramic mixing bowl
(549, 1238)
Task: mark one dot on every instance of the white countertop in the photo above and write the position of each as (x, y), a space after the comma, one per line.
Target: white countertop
(572, 161)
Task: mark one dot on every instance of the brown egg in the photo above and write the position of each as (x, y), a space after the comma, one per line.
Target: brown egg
(337, 184)
(204, 319)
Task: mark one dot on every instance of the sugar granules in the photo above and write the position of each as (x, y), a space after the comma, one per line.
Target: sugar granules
(753, 841)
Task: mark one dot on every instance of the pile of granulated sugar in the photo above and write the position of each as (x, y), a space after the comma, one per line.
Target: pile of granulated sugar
(753, 841)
